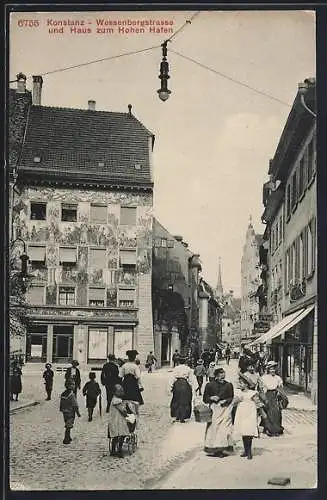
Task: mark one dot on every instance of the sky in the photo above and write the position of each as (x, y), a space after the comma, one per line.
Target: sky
(214, 138)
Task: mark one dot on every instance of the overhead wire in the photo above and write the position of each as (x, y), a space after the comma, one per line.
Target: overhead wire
(187, 23)
(234, 80)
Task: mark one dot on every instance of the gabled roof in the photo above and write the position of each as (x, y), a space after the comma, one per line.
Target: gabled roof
(83, 143)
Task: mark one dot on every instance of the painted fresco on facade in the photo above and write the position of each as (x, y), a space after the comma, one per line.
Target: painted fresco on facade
(51, 295)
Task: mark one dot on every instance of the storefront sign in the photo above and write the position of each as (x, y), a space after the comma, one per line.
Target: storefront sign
(261, 327)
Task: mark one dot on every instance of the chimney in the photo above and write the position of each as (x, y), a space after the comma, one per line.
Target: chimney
(130, 110)
(37, 90)
(21, 83)
(91, 105)
(178, 238)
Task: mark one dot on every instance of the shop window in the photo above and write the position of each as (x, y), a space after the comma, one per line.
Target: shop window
(97, 343)
(128, 216)
(96, 297)
(66, 296)
(68, 212)
(97, 258)
(126, 298)
(38, 211)
(35, 295)
(123, 341)
(98, 213)
(127, 259)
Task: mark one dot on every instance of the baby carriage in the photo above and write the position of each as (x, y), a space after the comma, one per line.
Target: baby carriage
(130, 441)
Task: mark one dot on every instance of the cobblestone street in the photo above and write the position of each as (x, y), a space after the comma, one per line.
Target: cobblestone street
(167, 457)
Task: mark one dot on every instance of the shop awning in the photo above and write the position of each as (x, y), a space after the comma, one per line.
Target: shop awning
(284, 325)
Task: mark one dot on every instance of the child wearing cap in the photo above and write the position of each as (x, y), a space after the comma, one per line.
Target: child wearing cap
(200, 373)
(122, 420)
(69, 408)
(91, 390)
(48, 380)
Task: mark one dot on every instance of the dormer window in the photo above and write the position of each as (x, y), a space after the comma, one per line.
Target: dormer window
(68, 212)
(101, 164)
(38, 211)
(137, 166)
(37, 159)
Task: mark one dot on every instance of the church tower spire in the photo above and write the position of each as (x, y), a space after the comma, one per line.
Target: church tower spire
(219, 288)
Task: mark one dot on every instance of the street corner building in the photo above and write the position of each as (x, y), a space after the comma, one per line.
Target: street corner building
(288, 254)
(186, 313)
(81, 198)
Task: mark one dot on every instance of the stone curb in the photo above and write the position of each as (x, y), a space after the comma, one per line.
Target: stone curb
(28, 404)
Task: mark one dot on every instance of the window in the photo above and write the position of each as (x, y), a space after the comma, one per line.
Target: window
(280, 229)
(68, 212)
(293, 262)
(128, 216)
(98, 342)
(96, 297)
(67, 257)
(37, 256)
(66, 296)
(297, 259)
(127, 259)
(288, 201)
(126, 298)
(38, 211)
(164, 242)
(35, 295)
(98, 213)
(309, 244)
(123, 341)
(301, 176)
(311, 155)
(301, 256)
(170, 244)
(294, 191)
(97, 258)
(277, 235)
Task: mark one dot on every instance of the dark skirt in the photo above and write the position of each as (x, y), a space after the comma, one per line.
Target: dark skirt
(272, 420)
(181, 403)
(131, 389)
(15, 384)
(91, 401)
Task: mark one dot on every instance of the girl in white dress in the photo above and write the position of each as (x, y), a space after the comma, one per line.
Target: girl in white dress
(245, 423)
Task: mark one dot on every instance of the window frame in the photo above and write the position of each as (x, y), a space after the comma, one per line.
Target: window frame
(68, 209)
(60, 288)
(99, 221)
(38, 203)
(97, 249)
(121, 218)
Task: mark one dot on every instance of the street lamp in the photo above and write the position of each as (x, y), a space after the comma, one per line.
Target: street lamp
(303, 89)
(24, 258)
(163, 92)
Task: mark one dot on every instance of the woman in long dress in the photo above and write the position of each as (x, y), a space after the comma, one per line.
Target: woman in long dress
(218, 435)
(181, 403)
(270, 384)
(15, 381)
(130, 374)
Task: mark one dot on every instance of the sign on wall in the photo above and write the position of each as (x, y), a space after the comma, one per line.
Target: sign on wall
(98, 341)
(123, 341)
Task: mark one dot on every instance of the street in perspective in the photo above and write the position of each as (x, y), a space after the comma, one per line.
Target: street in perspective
(163, 317)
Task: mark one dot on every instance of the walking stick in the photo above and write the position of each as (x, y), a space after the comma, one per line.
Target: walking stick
(100, 405)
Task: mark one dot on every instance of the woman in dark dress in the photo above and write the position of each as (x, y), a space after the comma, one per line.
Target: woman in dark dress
(15, 381)
(131, 378)
(181, 403)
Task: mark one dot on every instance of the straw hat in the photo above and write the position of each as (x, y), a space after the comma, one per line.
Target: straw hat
(270, 364)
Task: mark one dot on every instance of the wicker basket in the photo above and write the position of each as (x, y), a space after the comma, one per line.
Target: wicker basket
(202, 413)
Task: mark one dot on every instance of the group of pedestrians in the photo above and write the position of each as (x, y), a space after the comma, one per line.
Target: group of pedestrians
(236, 412)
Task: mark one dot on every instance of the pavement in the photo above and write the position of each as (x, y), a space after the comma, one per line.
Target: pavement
(168, 454)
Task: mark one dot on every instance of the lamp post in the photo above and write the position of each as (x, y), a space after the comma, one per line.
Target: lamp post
(303, 90)
(163, 92)
(24, 258)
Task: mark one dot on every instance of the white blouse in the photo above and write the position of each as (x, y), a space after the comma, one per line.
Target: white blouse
(130, 368)
(270, 382)
(183, 371)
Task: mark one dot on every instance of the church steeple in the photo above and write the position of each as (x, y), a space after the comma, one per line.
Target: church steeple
(219, 288)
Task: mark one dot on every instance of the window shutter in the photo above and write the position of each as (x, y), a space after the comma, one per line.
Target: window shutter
(97, 258)
(127, 257)
(98, 213)
(36, 254)
(127, 294)
(68, 255)
(36, 295)
(314, 237)
(96, 294)
(128, 216)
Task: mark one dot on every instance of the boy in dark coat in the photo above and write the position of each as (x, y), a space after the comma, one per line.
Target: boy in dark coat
(91, 390)
(69, 408)
(48, 380)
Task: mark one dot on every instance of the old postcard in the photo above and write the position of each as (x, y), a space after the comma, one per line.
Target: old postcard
(163, 250)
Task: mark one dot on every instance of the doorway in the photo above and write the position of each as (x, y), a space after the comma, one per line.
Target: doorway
(36, 344)
(165, 349)
(62, 343)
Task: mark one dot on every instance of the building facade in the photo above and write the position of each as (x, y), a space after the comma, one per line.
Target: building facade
(82, 202)
(291, 218)
(250, 281)
(231, 320)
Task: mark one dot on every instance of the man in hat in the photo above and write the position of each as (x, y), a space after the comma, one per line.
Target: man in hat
(176, 357)
(74, 375)
(200, 373)
(48, 380)
(109, 378)
(150, 361)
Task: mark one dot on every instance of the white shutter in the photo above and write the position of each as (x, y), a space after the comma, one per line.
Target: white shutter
(35, 295)
(98, 213)
(123, 341)
(36, 254)
(68, 255)
(97, 258)
(96, 293)
(127, 294)
(98, 341)
(127, 257)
